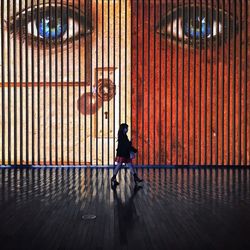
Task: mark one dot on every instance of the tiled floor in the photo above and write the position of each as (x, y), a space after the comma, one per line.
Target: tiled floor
(42, 208)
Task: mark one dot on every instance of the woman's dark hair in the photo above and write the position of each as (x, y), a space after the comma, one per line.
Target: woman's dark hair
(121, 128)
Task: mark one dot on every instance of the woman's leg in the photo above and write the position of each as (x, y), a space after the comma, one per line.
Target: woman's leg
(113, 179)
(129, 164)
(118, 166)
(136, 178)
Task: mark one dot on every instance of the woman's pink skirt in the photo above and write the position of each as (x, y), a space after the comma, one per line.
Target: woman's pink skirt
(121, 159)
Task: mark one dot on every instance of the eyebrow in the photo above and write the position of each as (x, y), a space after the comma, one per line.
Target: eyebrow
(175, 1)
(167, 5)
(29, 5)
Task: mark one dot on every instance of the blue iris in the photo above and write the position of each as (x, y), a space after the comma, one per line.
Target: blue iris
(198, 31)
(47, 27)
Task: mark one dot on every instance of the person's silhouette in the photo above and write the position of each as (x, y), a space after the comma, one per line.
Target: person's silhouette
(125, 152)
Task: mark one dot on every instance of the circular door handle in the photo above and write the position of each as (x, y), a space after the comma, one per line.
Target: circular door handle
(106, 89)
(90, 100)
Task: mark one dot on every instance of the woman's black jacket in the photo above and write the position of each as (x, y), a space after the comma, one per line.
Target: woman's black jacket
(124, 146)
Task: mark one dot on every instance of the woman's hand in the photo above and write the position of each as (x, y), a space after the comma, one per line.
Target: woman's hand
(134, 149)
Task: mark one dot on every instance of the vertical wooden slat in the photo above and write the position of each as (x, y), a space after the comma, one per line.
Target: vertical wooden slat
(15, 90)
(217, 79)
(182, 44)
(32, 82)
(159, 94)
(137, 71)
(206, 48)
(228, 84)
(240, 84)
(27, 80)
(143, 81)
(211, 87)
(102, 79)
(246, 139)
(149, 72)
(79, 86)
(171, 82)
(68, 138)
(38, 81)
(3, 80)
(56, 80)
(177, 81)
(234, 80)
(166, 92)
(222, 80)
(189, 58)
(89, 20)
(194, 86)
(108, 52)
(73, 108)
(200, 77)
(97, 122)
(9, 81)
(154, 73)
(50, 87)
(44, 87)
(114, 63)
(85, 79)
(62, 80)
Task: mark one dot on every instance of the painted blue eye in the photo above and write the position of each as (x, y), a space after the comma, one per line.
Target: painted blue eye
(195, 31)
(53, 28)
(183, 24)
(55, 23)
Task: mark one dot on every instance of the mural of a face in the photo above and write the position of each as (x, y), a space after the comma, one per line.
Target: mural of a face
(73, 70)
(159, 63)
(74, 56)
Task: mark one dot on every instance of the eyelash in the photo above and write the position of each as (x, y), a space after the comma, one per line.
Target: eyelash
(190, 35)
(45, 35)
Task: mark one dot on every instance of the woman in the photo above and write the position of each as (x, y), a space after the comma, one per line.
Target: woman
(123, 154)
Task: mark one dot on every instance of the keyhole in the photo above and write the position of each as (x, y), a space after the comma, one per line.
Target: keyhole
(106, 115)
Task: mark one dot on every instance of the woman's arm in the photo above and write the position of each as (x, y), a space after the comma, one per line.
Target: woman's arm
(132, 148)
(127, 144)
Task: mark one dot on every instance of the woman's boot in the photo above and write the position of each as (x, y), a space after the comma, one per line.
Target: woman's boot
(114, 182)
(137, 179)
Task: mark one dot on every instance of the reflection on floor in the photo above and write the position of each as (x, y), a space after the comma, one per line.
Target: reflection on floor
(175, 209)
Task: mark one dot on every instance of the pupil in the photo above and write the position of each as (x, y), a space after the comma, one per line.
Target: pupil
(197, 31)
(198, 26)
(50, 26)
